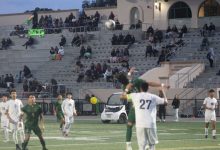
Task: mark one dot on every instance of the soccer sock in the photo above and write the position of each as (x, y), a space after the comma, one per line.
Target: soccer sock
(15, 137)
(206, 131)
(61, 125)
(6, 134)
(129, 133)
(42, 142)
(213, 132)
(152, 147)
(21, 132)
(24, 145)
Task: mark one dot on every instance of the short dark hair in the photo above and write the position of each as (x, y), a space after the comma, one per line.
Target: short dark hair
(12, 90)
(31, 94)
(122, 78)
(4, 95)
(69, 93)
(211, 90)
(144, 86)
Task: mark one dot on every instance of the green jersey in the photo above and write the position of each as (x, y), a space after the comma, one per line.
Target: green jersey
(33, 113)
(58, 106)
(136, 85)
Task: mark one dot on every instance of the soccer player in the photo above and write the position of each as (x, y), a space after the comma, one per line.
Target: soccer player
(210, 104)
(13, 110)
(69, 111)
(58, 111)
(145, 112)
(4, 118)
(132, 85)
(33, 113)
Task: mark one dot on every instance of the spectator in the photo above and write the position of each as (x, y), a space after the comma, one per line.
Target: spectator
(61, 51)
(158, 35)
(183, 31)
(63, 40)
(99, 69)
(150, 30)
(79, 65)
(27, 72)
(211, 56)
(211, 29)
(205, 44)
(88, 53)
(218, 73)
(30, 42)
(108, 75)
(111, 16)
(114, 40)
(52, 53)
(176, 105)
(162, 109)
(174, 29)
(82, 52)
(204, 30)
(161, 58)
(87, 97)
(149, 50)
(168, 32)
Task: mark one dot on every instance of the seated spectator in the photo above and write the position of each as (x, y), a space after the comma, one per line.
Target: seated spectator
(204, 30)
(61, 51)
(52, 53)
(211, 29)
(183, 31)
(169, 32)
(99, 69)
(118, 26)
(56, 49)
(204, 44)
(111, 16)
(81, 76)
(82, 52)
(97, 16)
(30, 42)
(27, 72)
(174, 29)
(114, 40)
(121, 39)
(161, 58)
(4, 44)
(63, 41)
(150, 30)
(158, 36)
(88, 53)
(108, 75)
(149, 50)
(79, 65)
(76, 40)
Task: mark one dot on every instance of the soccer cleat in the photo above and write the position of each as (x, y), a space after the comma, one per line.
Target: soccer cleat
(44, 148)
(206, 136)
(214, 137)
(147, 147)
(164, 120)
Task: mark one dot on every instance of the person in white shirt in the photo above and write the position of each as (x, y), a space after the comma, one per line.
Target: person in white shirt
(145, 113)
(13, 111)
(4, 118)
(61, 51)
(69, 110)
(210, 104)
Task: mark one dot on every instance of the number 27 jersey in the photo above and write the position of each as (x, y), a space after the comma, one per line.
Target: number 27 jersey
(146, 108)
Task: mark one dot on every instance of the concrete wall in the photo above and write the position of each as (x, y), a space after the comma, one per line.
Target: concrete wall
(19, 18)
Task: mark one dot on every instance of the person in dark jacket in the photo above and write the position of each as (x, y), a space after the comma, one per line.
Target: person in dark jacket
(176, 105)
(162, 109)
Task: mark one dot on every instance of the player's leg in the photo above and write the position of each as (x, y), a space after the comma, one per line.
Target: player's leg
(152, 138)
(21, 132)
(5, 127)
(13, 127)
(141, 138)
(207, 120)
(131, 121)
(67, 125)
(177, 114)
(38, 132)
(213, 129)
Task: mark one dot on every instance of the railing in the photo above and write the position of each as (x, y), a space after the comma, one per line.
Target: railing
(186, 77)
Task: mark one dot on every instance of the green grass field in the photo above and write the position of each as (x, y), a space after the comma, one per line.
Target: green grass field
(93, 135)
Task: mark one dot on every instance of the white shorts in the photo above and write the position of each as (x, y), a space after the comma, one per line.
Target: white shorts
(146, 136)
(210, 116)
(17, 127)
(4, 123)
(69, 119)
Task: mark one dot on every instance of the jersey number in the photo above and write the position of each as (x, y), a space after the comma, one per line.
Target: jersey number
(145, 102)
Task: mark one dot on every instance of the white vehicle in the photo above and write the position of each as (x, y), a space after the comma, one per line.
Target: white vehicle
(115, 110)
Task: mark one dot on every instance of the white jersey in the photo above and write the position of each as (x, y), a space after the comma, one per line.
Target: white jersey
(14, 109)
(3, 107)
(68, 107)
(210, 103)
(146, 108)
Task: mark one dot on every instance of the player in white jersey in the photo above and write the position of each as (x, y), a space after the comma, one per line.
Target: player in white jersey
(145, 113)
(14, 106)
(69, 110)
(4, 118)
(210, 104)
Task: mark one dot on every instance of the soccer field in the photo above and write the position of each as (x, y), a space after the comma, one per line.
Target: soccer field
(93, 135)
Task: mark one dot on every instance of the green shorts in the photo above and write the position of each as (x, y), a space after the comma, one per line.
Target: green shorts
(37, 131)
(60, 116)
(131, 115)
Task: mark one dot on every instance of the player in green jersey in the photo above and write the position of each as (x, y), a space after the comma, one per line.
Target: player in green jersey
(132, 85)
(33, 113)
(58, 110)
